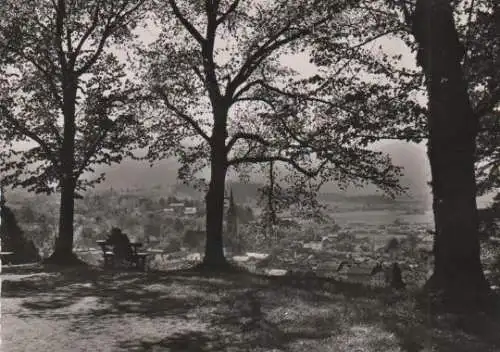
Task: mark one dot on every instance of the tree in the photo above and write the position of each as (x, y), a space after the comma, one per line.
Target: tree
(463, 95)
(226, 100)
(480, 33)
(290, 191)
(274, 199)
(62, 94)
(453, 126)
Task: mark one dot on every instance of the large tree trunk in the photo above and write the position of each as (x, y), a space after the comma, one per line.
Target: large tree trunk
(458, 277)
(214, 247)
(63, 253)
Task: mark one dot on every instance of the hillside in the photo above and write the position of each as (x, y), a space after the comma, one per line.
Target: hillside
(134, 174)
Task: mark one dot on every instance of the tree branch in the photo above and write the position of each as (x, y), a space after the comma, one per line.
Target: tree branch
(184, 21)
(111, 24)
(230, 10)
(246, 88)
(198, 74)
(377, 36)
(246, 69)
(49, 77)
(94, 148)
(267, 49)
(268, 158)
(60, 8)
(90, 30)
(247, 136)
(182, 115)
(108, 30)
(30, 134)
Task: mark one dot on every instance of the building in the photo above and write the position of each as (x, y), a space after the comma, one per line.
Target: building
(232, 225)
(177, 207)
(190, 211)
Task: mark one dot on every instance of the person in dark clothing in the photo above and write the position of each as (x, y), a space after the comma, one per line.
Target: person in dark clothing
(121, 244)
(397, 277)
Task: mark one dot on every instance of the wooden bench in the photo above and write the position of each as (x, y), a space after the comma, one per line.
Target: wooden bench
(4, 257)
(137, 259)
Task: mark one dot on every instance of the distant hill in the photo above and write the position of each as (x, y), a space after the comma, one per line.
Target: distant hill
(242, 192)
(134, 174)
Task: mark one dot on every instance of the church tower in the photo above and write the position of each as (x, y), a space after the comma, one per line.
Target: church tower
(232, 223)
(2, 201)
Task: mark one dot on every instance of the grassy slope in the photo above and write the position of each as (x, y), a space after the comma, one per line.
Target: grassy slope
(91, 310)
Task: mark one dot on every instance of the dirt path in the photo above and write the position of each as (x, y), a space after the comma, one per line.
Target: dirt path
(91, 310)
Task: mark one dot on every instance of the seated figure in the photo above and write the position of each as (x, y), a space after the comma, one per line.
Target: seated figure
(121, 245)
(392, 275)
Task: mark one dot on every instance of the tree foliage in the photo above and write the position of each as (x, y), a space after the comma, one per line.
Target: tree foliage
(62, 98)
(227, 97)
(231, 57)
(370, 33)
(367, 40)
(45, 45)
(481, 35)
(290, 192)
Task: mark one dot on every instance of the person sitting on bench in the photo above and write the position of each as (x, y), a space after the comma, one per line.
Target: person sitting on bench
(122, 249)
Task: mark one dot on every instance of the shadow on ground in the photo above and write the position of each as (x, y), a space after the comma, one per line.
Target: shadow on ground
(243, 311)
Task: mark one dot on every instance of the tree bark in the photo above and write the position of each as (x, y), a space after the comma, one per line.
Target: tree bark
(64, 242)
(458, 278)
(63, 253)
(214, 247)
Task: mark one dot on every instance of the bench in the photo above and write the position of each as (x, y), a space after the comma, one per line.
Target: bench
(4, 257)
(136, 259)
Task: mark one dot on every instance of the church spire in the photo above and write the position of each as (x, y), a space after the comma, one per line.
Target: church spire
(232, 209)
(232, 221)
(2, 194)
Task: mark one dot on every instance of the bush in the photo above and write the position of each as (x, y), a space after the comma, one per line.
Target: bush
(392, 244)
(365, 247)
(410, 243)
(174, 245)
(194, 239)
(346, 236)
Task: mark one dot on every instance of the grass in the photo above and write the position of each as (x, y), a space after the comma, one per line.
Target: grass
(87, 309)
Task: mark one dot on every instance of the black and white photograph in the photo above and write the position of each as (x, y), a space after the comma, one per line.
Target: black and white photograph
(250, 175)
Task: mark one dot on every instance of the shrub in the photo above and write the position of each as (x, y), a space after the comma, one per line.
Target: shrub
(174, 245)
(346, 236)
(392, 244)
(194, 239)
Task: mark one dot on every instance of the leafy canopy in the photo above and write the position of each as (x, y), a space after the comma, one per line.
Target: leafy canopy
(47, 48)
(228, 65)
